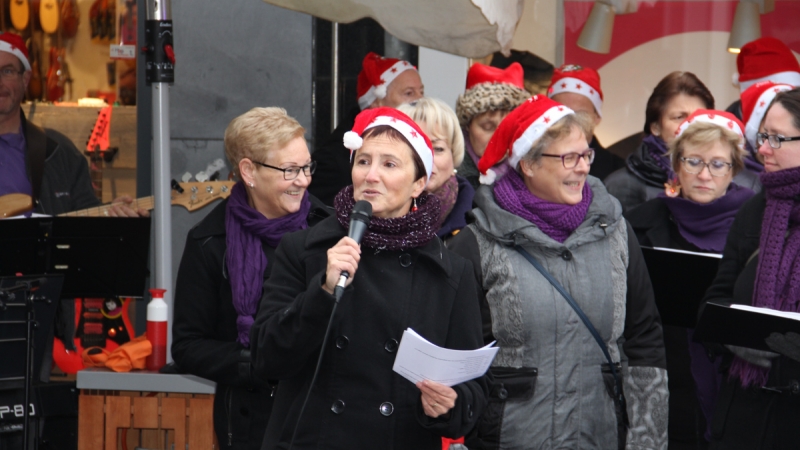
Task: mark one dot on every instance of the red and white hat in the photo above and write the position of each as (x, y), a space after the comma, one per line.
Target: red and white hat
(755, 101)
(767, 59)
(373, 117)
(722, 119)
(578, 80)
(376, 74)
(14, 44)
(518, 132)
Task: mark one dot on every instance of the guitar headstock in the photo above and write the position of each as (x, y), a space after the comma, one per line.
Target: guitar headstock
(196, 195)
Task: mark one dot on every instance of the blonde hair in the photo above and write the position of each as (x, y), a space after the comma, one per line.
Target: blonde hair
(556, 132)
(438, 118)
(701, 134)
(253, 134)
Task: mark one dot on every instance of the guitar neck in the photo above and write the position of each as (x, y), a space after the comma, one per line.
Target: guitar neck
(102, 210)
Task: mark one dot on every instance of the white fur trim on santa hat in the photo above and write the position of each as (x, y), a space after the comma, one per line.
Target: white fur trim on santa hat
(535, 131)
(379, 91)
(415, 138)
(8, 48)
(580, 87)
(754, 121)
(790, 77)
(716, 119)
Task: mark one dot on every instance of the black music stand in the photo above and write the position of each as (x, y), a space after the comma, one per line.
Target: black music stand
(98, 256)
(25, 303)
(680, 280)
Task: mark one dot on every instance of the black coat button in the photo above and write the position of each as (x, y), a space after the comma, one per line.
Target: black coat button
(391, 345)
(567, 255)
(337, 407)
(387, 408)
(342, 342)
(502, 394)
(405, 260)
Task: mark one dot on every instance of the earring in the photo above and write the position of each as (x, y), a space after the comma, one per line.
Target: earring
(414, 205)
(672, 188)
(252, 185)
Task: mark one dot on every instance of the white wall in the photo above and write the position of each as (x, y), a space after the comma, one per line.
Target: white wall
(444, 75)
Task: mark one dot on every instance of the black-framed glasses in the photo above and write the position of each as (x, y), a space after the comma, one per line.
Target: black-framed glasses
(774, 139)
(10, 72)
(716, 167)
(570, 160)
(290, 173)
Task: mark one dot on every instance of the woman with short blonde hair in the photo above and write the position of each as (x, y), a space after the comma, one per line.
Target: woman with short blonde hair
(257, 131)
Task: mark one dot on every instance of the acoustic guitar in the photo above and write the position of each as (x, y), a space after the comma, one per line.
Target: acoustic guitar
(49, 15)
(195, 195)
(20, 14)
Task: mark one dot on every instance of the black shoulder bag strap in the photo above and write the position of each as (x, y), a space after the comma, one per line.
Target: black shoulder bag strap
(618, 393)
(36, 142)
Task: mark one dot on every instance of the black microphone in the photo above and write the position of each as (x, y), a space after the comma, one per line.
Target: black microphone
(359, 221)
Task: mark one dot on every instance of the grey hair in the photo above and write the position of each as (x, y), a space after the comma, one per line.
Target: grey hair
(559, 130)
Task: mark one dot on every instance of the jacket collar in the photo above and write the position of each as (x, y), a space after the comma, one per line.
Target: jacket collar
(603, 217)
(328, 232)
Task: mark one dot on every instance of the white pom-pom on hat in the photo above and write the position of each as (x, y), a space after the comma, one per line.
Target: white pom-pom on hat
(352, 141)
(489, 178)
(380, 91)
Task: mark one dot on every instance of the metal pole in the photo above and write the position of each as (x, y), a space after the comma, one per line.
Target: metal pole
(335, 76)
(159, 20)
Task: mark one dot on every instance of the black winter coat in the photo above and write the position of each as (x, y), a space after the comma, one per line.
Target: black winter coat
(655, 227)
(204, 332)
(333, 162)
(358, 402)
(751, 418)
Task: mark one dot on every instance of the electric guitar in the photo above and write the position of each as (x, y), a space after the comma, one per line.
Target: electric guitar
(194, 196)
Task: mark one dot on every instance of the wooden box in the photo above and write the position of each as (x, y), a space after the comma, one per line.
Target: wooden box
(151, 420)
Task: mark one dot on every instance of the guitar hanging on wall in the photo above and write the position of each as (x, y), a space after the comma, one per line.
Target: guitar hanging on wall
(20, 12)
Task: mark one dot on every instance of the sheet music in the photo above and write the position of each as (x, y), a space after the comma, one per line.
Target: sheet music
(771, 312)
(418, 359)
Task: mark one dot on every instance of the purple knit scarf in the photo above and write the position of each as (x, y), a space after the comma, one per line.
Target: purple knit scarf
(657, 149)
(415, 229)
(706, 225)
(246, 229)
(556, 220)
(447, 195)
(777, 284)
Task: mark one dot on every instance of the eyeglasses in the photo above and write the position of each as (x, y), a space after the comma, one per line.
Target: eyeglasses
(570, 160)
(716, 167)
(10, 72)
(774, 139)
(290, 173)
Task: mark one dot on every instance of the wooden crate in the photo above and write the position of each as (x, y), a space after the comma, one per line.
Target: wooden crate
(151, 420)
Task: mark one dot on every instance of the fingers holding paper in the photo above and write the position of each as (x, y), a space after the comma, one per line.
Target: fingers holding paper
(437, 399)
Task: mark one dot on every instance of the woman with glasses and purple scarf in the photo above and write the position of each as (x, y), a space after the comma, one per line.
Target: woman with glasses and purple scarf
(673, 100)
(694, 213)
(758, 405)
(227, 258)
(401, 276)
(554, 386)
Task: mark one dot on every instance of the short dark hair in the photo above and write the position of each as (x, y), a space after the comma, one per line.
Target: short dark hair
(790, 100)
(671, 85)
(394, 135)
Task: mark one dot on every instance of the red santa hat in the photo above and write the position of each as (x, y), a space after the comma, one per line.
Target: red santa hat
(376, 74)
(518, 132)
(374, 117)
(578, 80)
(13, 43)
(765, 59)
(491, 89)
(720, 118)
(755, 101)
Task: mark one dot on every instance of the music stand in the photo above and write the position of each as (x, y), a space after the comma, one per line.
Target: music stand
(98, 256)
(25, 303)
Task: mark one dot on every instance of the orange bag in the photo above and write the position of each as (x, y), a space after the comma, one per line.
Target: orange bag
(124, 358)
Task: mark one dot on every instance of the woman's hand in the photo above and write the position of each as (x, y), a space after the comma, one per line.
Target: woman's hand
(344, 256)
(437, 399)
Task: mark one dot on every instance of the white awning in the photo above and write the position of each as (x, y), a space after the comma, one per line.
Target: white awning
(470, 28)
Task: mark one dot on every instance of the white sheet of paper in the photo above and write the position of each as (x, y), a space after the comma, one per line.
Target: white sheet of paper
(418, 359)
(686, 252)
(771, 312)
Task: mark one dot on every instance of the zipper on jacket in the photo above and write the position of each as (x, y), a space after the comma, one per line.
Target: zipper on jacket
(230, 425)
(604, 226)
